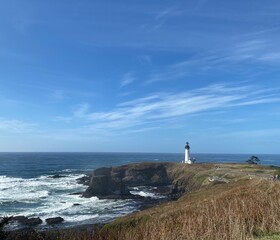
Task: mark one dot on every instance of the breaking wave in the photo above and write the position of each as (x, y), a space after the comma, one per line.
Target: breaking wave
(47, 197)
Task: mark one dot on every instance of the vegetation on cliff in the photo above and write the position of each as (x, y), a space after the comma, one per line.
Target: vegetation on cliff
(225, 201)
(222, 201)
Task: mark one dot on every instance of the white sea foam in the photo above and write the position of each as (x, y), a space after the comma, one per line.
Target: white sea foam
(144, 194)
(145, 191)
(35, 189)
(74, 170)
(24, 190)
(46, 197)
(79, 218)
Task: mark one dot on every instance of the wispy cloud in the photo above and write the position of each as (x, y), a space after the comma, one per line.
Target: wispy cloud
(64, 94)
(259, 51)
(124, 94)
(145, 59)
(160, 19)
(81, 110)
(151, 111)
(63, 119)
(259, 101)
(9, 103)
(15, 125)
(57, 95)
(200, 3)
(175, 71)
(261, 32)
(184, 68)
(247, 52)
(127, 79)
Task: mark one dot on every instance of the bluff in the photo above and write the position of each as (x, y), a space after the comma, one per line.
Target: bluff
(223, 201)
(174, 178)
(114, 182)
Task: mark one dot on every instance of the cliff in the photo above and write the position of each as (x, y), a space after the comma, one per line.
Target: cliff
(177, 178)
(223, 201)
(113, 182)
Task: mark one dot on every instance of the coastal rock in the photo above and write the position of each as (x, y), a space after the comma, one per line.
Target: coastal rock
(32, 221)
(103, 185)
(76, 204)
(19, 219)
(84, 180)
(147, 174)
(217, 179)
(27, 221)
(55, 220)
(76, 193)
(113, 182)
(57, 176)
(178, 187)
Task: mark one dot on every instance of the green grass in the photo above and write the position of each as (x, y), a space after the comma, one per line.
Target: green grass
(268, 237)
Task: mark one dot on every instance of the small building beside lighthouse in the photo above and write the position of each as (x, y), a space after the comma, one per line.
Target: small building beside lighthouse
(187, 154)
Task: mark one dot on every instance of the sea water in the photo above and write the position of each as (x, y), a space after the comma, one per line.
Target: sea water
(27, 186)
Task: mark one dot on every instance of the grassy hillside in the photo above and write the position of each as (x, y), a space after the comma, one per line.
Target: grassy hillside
(227, 201)
(222, 201)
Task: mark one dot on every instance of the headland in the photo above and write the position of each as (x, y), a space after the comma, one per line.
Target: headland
(201, 201)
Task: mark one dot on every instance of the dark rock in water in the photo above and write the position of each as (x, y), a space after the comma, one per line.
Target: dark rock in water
(57, 176)
(76, 193)
(32, 221)
(121, 197)
(55, 220)
(76, 204)
(163, 190)
(84, 180)
(113, 182)
(146, 174)
(20, 219)
(105, 185)
(27, 221)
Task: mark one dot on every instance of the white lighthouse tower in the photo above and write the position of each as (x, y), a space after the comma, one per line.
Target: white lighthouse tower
(187, 154)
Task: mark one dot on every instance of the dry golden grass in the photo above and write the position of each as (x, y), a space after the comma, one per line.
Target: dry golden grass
(246, 208)
(241, 210)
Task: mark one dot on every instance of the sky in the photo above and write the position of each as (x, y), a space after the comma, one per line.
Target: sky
(140, 76)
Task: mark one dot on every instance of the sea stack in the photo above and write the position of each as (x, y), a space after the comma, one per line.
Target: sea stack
(187, 154)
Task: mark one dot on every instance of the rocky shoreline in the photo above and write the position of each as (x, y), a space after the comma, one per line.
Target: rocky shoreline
(114, 183)
(118, 183)
(170, 180)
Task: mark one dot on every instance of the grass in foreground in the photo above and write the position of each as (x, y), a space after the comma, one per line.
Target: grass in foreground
(248, 209)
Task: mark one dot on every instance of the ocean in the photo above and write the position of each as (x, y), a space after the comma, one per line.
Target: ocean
(27, 187)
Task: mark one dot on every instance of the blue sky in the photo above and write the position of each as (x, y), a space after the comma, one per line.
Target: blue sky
(140, 76)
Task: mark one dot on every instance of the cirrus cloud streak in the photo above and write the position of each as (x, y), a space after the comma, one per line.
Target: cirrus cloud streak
(150, 111)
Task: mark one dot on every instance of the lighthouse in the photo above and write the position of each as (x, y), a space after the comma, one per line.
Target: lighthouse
(187, 154)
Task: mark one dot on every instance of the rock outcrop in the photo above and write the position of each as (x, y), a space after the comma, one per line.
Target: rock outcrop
(28, 221)
(57, 176)
(84, 180)
(113, 182)
(55, 220)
